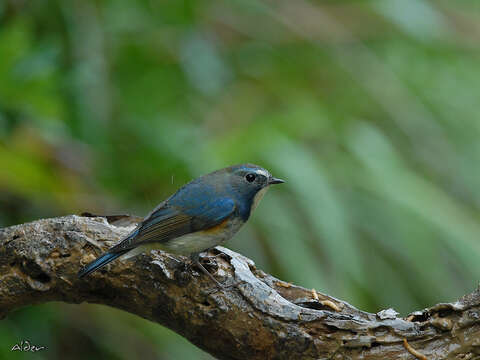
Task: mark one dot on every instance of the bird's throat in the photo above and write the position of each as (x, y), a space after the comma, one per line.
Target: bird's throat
(258, 196)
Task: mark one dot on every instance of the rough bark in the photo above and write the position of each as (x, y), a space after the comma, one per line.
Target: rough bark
(255, 317)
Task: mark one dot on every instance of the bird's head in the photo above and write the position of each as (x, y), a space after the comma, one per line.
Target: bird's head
(251, 182)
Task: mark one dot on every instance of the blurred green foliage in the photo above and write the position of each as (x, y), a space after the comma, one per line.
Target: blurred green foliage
(369, 110)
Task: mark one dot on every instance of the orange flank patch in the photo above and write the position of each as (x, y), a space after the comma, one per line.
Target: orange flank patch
(215, 229)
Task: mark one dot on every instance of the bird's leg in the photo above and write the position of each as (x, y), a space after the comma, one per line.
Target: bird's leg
(195, 259)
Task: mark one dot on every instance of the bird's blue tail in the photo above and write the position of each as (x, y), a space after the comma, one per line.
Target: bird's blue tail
(100, 262)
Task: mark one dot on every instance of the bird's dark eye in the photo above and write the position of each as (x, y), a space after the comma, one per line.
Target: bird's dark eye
(250, 177)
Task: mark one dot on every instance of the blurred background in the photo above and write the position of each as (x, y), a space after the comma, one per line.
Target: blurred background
(369, 110)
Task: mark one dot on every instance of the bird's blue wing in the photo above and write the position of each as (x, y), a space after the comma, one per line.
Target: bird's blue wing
(179, 216)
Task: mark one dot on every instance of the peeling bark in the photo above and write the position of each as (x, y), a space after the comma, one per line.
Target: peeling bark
(255, 317)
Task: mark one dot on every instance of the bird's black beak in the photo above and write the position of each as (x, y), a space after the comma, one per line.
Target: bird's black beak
(273, 180)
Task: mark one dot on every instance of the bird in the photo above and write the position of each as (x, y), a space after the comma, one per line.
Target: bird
(202, 214)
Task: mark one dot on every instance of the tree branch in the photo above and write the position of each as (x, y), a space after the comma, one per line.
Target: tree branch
(256, 317)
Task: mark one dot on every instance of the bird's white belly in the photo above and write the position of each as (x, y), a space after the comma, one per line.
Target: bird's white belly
(193, 243)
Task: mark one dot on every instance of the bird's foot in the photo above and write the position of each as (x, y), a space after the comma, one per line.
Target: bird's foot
(210, 262)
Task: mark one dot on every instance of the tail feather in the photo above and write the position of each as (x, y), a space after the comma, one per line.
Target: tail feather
(100, 262)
